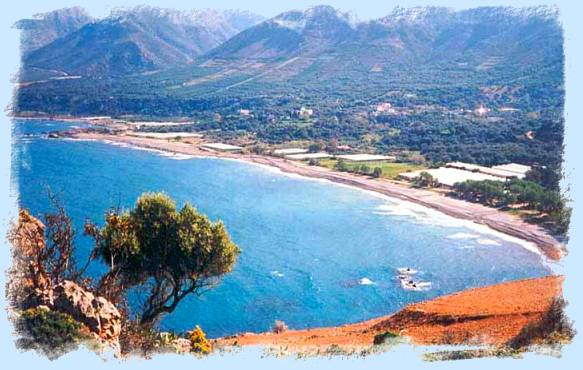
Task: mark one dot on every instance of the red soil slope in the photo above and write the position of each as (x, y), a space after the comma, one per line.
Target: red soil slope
(490, 315)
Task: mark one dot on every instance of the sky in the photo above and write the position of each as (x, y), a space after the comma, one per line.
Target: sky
(407, 358)
(364, 9)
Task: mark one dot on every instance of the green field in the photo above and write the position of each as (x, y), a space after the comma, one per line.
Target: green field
(391, 170)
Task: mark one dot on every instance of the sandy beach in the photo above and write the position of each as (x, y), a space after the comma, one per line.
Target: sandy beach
(497, 220)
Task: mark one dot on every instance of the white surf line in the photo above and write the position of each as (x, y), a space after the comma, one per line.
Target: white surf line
(428, 213)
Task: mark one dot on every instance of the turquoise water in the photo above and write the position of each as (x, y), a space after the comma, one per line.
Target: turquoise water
(306, 244)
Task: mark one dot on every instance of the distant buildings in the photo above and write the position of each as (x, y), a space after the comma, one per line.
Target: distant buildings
(304, 156)
(481, 111)
(448, 176)
(459, 172)
(508, 109)
(364, 157)
(502, 171)
(289, 151)
(306, 112)
(519, 169)
(165, 135)
(385, 108)
(222, 147)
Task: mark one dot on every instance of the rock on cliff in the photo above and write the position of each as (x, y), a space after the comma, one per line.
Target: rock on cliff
(30, 285)
(97, 313)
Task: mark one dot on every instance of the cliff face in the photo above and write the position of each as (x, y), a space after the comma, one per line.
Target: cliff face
(491, 315)
(30, 285)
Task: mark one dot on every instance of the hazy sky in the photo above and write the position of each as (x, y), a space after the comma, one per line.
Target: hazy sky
(364, 9)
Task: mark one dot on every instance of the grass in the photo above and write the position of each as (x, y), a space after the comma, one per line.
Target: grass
(391, 170)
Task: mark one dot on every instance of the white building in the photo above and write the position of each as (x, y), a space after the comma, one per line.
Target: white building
(289, 151)
(222, 147)
(364, 157)
(449, 176)
(385, 108)
(481, 111)
(306, 113)
(301, 157)
(519, 169)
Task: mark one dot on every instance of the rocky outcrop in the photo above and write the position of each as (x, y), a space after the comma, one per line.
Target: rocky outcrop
(97, 313)
(181, 345)
(29, 242)
(30, 286)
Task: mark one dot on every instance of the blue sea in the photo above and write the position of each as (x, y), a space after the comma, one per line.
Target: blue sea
(313, 253)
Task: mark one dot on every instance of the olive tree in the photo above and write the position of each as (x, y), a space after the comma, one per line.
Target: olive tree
(164, 253)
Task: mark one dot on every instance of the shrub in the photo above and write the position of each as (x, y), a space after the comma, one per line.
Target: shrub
(199, 342)
(377, 172)
(165, 338)
(138, 339)
(279, 327)
(553, 328)
(341, 166)
(383, 337)
(424, 180)
(50, 332)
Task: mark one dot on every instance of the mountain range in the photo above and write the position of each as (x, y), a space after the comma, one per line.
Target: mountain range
(493, 55)
(44, 28)
(128, 41)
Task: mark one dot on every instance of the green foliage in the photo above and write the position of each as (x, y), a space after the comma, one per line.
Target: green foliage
(553, 328)
(341, 166)
(363, 169)
(316, 147)
(498, 193)
(139, 339)
(488, 192)
(50, 332)
(199, 343)
(530, 195)
(377, 172)
(167, 252)
(382, 338)
(424, 180)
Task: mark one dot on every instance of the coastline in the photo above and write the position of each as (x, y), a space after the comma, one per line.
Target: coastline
(494, 219)
(491, 315)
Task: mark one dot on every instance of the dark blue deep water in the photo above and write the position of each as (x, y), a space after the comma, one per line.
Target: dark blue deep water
(306, 244)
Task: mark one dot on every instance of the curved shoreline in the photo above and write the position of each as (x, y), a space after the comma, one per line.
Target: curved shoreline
(497, 220)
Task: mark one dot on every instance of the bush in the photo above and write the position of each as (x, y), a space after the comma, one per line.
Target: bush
(384, 337)
(341, 166)
(424, 180)
(553, 328)
(377, 172)
(199, 342)
(279, 327)
(50, 332)
(138, 339)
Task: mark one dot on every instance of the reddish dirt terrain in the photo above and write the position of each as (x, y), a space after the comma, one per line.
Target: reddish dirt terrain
(490, 315)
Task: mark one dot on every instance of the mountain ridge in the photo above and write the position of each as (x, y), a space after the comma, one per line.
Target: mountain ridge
(133, 40)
